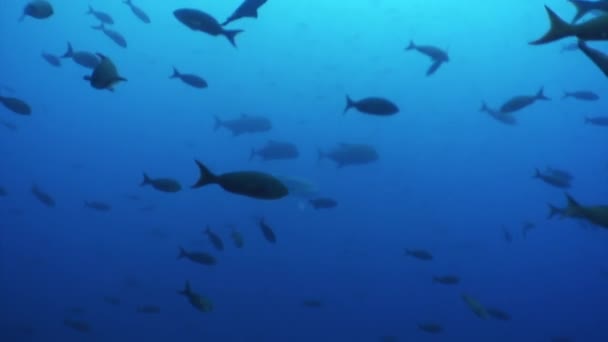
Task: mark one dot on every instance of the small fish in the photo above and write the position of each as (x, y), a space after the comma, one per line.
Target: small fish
(9, 125)
(83, 58)
(519, 102)
(597, 121)
(192, 80)
(116, 37)
(312, 303)
(199, 302)
(267, 231)
(447, 279)
(51, 59)
(323, 203)
(38, 9)
(372, 105)
(498, 314)
(437, 55)
(198, 257)
(148, 309)
(16, 105)
(200, 21)
(551, 179)
(215, 239)
(139, 13)
(569, 47)
(77, 325)
(475, 306)
(419, 254)
(237, 239)
(162, 184)
(98, 206)
(104, 17)
(42, 196)
(505, 118)
(431, 328)
(584, 95)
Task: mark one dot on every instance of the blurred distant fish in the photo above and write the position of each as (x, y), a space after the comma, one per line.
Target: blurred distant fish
(77, 325)
(552, 179)
(247, 9)
(312, 303)
(276, 150)
(162, 184)
(139, 13)
(83, 58)
(98, 206)
(597, 121)
(197, 257)
(346, 154)
(526, 228)
(419, 254)
(447, 279)
(38, 9)
(105, 75)
(237, 238)
(519, 102)
(192, 80)
(596, 214)
(104, 17)
(598, 58)
(506, 234)
(42, 196)
(215, 239)
(437, 55)
(592, 29)
(51, 59)
(505, 118)
(476, 307)
(430, 327)
(116, 37)
(244, 124)
(584, 95)
(323, 203)
(199, 302)
(498, 314)
(3, 192)
(372, 105)
(148, 309)
(200, 21)
(9, 125)
(267, 231)
(563, 174)
(16, 105)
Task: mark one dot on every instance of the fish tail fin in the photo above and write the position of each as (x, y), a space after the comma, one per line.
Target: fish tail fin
(252, 154)
(175, 74)
(146, 180)
(582, 8)
(182, 253)
(128, 2)
(70, 51)
(186, 291)
(540, 95)
(411, 46)
(349, 104)
(218, 123)
(558, 29)
(231, 36)
(433, 68)
(206, 176)
(553, 211)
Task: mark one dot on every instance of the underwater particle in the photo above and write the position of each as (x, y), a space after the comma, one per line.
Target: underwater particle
(519, 102)
(139, 13)
(215, 239)
(105, 75)
(476, 307)
(103, 17)
(83, 58)
(192, 80)
(437, 55)
(42, 196)
(252, 184)
(38, 9)
(267, 231)
(244, 124)
(378, 106)
(346, 154)
(169, 185)
(199, 302)
(115, 36)
(596, 214)
(247, 9)
(593, 29)
(200, 21)
(447, 279)
(419, 254)
(197, 257)
(552, 179)
(323, 203)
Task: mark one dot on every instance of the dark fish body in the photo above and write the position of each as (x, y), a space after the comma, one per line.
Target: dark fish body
(190, 79)
(99, 206)
(51, 59)
(38, 9)
(520, 102)
(476, 307)
(498, 314)
(105, 75)
(148, 309)
(351, 154)
(276, 150)
(162, 184)
(597, 214)
(104, 17)
(139, 13)
(3, 192)
(419, 254)
(267, 231)
(505, 118)
(447, 279)
(9, 125)
(16, 105)
(372, 105)
(584, 95)
(247, 9)
(86, 59)
(200, 21)
(197, 301)
(563, 174)
(323, 203)
(598, 58)
(115, 36)
(77, 325)
(437, 55)
(551, 179)
(244, 124)
(598, 120)
(237, 239)
(583, 7)
(431, 328)
(43, 197)
(593, 29)
(215, 239)
(198, 257)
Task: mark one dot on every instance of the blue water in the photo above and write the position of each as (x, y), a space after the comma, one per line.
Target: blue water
(447, 179)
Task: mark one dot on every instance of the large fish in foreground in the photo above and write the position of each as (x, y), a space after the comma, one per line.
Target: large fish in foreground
(583, 7)
(596, 214)
(200, 21)
(598, 58)
(593, 29)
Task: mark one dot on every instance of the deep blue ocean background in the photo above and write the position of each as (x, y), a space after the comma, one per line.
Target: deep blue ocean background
(448, 178)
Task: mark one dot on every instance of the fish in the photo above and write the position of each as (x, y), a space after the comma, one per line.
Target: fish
(437, 55)
(559, 173)
(197, 257)
(98, 206)
(595, 214)
(83, 58)
(199, 302)
(598, 58)
(312, 303)
(16, 105)
(247, 9)
(551, 179)
(498, 314)
(192, 80)
(584, 95)
(419, 254)
(244, 124)
(42, 196)
(505, 118)
(447, 279)
(252, 184)
(520, 102)
(9, 125)
(139, 13)
(348, 154)
(593, 29)
(372, 105)
(476, 307)
(215, 239)
(323, 203)
(148, 309)
(116, 37)
(584, 7)
(162, 184)
(105, 75)
(51, 59)
(431, 328)
(237, 239)
(77, 325)
(103, 17)
(267, 231)
(276, 150)
(597, 121)
(200, 21)
(38, 9)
